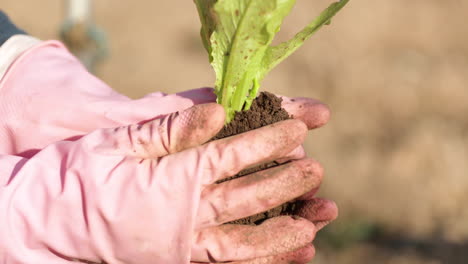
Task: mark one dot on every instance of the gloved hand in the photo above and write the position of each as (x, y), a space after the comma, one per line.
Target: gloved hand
(47, 91)
(145, 194)
(71, 102)
(47, 96)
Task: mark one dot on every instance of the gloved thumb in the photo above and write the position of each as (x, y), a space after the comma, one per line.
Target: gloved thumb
(155, 104)
(162, 136)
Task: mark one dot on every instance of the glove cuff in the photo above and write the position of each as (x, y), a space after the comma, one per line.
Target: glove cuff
(12, 50)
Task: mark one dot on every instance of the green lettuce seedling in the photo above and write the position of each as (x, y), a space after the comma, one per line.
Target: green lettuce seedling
(238, 34)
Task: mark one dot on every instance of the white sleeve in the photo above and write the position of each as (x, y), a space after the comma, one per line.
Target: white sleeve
(12, 49)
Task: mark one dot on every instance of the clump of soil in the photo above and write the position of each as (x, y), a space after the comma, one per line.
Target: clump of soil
(265, 110)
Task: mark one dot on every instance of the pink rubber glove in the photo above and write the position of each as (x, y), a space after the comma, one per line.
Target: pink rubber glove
(72, 102)
(145, 194)
(48, 91)
(47, 95)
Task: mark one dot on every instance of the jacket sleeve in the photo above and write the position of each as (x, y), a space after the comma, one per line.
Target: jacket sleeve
(7, 28)
(13, 43)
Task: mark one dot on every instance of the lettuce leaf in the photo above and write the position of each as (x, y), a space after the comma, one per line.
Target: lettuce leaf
(238, 34)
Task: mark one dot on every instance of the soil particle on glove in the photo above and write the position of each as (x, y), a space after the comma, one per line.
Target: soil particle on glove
(265, 110)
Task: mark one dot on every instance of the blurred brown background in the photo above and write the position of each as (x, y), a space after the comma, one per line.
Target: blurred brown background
(395, 75)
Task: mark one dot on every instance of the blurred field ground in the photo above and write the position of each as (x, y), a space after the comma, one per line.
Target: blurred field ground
(395, 75)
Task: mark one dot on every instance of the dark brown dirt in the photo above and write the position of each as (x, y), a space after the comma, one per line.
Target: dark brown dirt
(265, 110)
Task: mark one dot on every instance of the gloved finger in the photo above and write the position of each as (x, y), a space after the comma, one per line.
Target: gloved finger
(132, 111)
(242, 242)
(310, 111)
(226, 157)
(296, 154)
(167, 135)
(257, 192)
(319, 211)
(301, 256)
